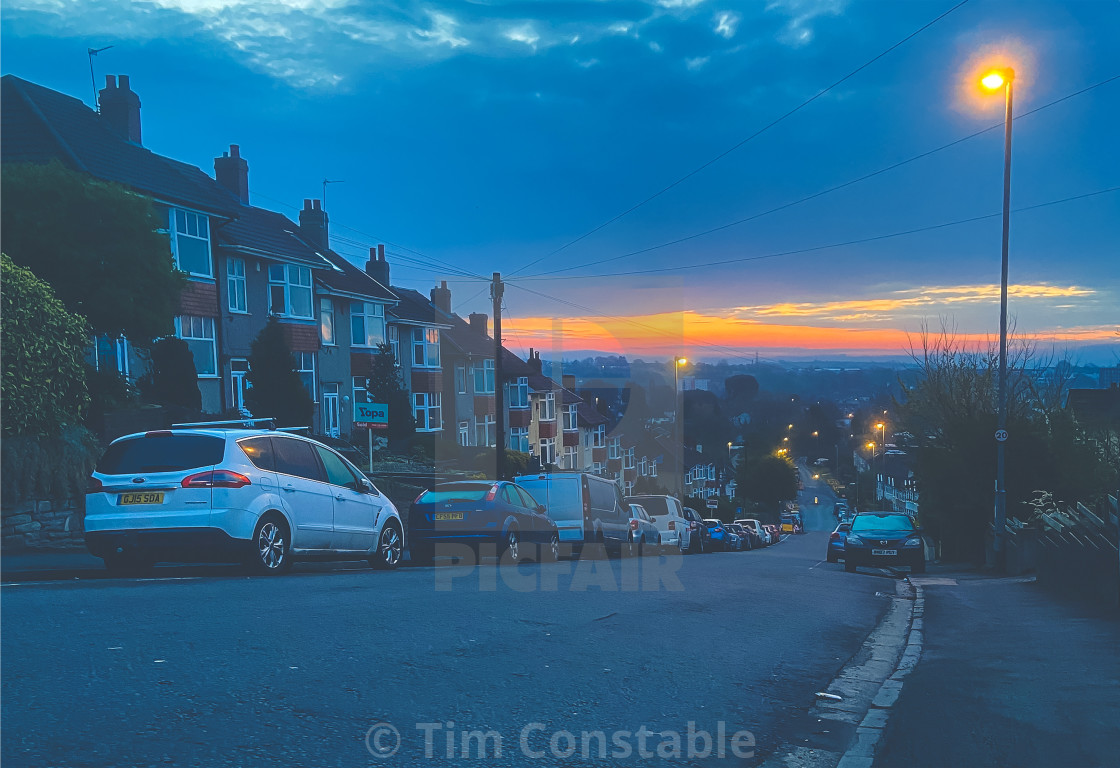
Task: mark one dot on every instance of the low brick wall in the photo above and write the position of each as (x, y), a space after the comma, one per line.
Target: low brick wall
(41, 525)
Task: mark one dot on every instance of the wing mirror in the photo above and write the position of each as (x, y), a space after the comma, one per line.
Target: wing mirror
(367, 487)
(542, 508)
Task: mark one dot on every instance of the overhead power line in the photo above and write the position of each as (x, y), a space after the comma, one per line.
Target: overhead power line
(747, 139)
(823, 192)
(858, 241)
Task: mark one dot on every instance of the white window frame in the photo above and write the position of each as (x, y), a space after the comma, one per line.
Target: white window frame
(427, 409)
(614, 448)
(548, 450)
(628, 458)
(305, 365)
(290, 278)
(653, 469)
(571, 457)
(237, 295)
(548, 407)
(571, 420)
(483, 374)
(371, 315)
(485, 430)
(519, 393)
(519, 439)
(425, 347)
(600, 436)
(361, 394)
(188, 228)
(194, 328)
(464, 433)
(394, 342)
(461, 379)
(328, 328)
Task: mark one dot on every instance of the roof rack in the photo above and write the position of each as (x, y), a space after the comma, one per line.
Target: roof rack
(248, 423)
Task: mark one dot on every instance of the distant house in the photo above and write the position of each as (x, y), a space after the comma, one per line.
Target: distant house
(895, 485)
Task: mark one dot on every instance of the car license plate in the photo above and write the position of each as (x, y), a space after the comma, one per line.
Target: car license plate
(149, 497)
(448, 516)
(884, 552)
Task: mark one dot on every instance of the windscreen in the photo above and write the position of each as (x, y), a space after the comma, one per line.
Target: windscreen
(885, 524)
(161, 453)
(653, 505)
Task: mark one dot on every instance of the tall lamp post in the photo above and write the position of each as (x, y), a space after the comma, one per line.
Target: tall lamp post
(678, 363)
(994, 81)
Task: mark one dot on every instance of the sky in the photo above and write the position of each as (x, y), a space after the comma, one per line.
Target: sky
(482, 136)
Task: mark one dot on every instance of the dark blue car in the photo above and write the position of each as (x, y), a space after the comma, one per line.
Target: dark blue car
(476, 513)
(836, 542)
(884, 538)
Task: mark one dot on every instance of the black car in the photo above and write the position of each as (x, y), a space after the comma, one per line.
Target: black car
(476, 513)
(884, 538)
(701, 538)
(742, 533)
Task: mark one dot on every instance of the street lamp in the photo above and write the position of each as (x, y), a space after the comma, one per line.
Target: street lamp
(994, 81)
(883, 433)
(678, 362)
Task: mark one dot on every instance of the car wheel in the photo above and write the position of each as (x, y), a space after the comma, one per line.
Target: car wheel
(550, 552)
(127, 564)
(849, 566)
(512, 546)
(390, 548)
(272, 543)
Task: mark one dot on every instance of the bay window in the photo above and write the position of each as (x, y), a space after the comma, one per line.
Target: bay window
(426, 409)
(519, 393)
(367, 324)
(600, 435)
(548, 450)
(361, 394)
(190, 242)
(570, 461)
(548, 407)
(289, 290)
(570, 421)
(614, 448)
(519, 439)
(485, 430)
(425, 347)
(198, 332)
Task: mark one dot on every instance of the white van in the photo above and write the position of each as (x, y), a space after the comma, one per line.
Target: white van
(586, 508)
(666, 513)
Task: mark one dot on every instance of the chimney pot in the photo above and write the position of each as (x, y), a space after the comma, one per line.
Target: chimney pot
(110, 81)
(307, 203)
(123, 82)
(317, 204)
(235, 150)
(381, 251)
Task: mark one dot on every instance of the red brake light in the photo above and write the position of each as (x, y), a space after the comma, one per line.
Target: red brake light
(492, 493)
(93, 485)
(217, 478)
(633, 525)
(834, 537)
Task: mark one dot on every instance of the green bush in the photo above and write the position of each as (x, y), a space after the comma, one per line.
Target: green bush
(52, 467)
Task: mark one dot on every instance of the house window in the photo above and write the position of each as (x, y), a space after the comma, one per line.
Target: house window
(484, 430)
(361, 394)
(628, 459)
(464, 432)
(235, 284)
(548, 407)
(306, 363)
(570, 418)
(614, 448)
(395, 344)
(426, 410)
(643, 467)
(461, 379)
(628, 489)
(598, 468)
(653, 469)
(190, 242)
(570, 461)
(519, 393)
(484, 378)
(367, 324)
(600, 436)
(425, 347)
(548, 450)
(326, 321)
(289, 290)
(519, 439)
(198, 332)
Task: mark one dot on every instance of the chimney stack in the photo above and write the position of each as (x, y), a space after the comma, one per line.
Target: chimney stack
(480, 322)
(441, 297)
(120, 108)
(569, 380)
(232, 172)
(313, 224)
(377, 267)
(534, 361)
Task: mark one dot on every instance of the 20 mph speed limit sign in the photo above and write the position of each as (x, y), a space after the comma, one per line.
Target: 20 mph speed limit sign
(1001, 435)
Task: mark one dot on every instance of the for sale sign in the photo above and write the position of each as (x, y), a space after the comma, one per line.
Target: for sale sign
(371, 416)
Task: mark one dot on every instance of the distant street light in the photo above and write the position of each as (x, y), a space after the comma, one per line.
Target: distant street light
(993, 81)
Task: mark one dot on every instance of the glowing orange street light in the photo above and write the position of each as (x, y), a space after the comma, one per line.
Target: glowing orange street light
(870, 446)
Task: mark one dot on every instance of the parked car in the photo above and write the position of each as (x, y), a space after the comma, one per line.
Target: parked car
(775, 533)
(884, 538)
(791, 522)
(667, 514)
(587, 509)
(835, 549)
(480, 512)
(261, 497)
(746, 540)
(734, 540)
(699, 538)
(718, 534)
(644, 536)
(761, 537)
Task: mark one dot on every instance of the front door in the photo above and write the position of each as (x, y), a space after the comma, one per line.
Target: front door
(330, 410)
(238, 373)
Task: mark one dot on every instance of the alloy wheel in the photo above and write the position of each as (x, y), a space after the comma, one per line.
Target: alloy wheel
(271, 546)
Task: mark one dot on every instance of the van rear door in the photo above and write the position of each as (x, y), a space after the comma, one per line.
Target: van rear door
(563, 500)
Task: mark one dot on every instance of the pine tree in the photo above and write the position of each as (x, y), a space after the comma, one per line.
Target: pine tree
(276, 390)
(385, 385)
